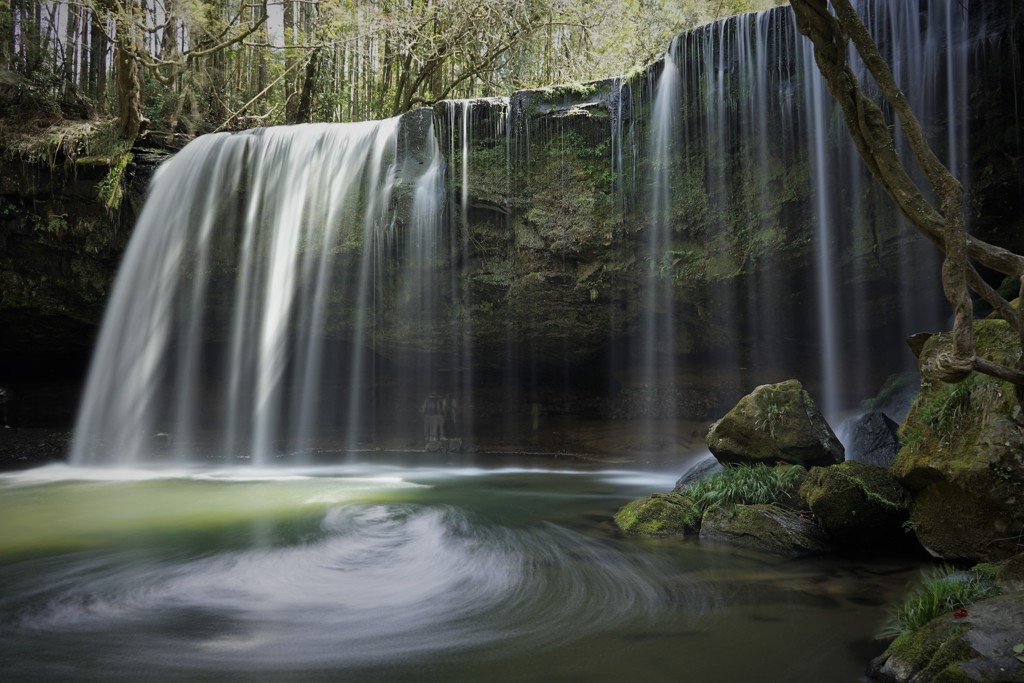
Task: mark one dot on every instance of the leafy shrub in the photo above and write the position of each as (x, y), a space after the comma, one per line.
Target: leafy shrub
(747, 484)
(942, 591)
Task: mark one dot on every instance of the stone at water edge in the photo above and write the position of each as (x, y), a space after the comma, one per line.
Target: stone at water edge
(775, 423)
(874, 439)
(975, 647)
(764, 527)
(660, 514)
(859, 505)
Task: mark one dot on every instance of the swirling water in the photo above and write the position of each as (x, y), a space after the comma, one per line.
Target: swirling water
(401, 573)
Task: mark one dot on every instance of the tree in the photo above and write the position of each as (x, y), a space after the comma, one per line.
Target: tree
(941, 220)
(131, 22)
(200, 65)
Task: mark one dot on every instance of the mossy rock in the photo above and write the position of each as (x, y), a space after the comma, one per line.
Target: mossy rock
(775, 423)
(962, 456)
(858, 505)
(769, 528)
(976, 647)
(660, 514)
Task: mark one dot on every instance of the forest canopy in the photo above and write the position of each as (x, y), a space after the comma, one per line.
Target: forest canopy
(192, 66)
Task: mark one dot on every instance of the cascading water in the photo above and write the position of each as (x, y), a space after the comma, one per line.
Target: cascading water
(290, 287)
(756, 120)
(252, 248)
(658, 326)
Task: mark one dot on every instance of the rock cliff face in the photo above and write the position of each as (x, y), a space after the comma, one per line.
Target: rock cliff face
(60, 246)
(548, 213)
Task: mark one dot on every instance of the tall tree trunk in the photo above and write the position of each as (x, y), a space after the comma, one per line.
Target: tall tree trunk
(130, 120)
(7, 41)
(289, 60)
(129, 93)
(98, 56)
(305, 105)
(84, 67)
(70, 53)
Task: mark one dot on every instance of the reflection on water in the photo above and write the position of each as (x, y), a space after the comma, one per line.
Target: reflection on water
(398, 573)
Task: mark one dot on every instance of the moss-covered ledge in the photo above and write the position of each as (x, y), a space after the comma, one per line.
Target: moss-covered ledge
(975, 644)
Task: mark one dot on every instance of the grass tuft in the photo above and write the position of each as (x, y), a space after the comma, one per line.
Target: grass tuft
(746, 484)
(942, 591)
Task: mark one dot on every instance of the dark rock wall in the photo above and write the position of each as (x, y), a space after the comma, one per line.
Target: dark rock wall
(59, 251)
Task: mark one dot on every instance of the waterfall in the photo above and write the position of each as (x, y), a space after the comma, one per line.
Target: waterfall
(658, 326)
(252, 252)
(317, 287)
(754, 119)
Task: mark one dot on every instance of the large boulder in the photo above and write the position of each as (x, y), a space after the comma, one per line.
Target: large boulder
(873, 439)
(976, 646)
(962, 456)
(769, 528)
(775, 423)
(660, 514)
(858, 505)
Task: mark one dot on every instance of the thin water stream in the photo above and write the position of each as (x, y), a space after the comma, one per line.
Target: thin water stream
(406, 571)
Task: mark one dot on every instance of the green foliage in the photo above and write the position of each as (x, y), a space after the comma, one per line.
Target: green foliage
(987, 570)
(748, 485)
(110, 190)
(770, 412)
(942, 591)
(944, 413)
(231, 69)
(948, 416)
(55, 224)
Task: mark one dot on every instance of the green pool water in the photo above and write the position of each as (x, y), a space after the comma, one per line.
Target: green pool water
(403, 572)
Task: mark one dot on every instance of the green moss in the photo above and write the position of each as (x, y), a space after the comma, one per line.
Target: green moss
(936, 653)
(948, 417)
(667, 514)
(874, 483)
(765, 527)
(987, 570)
(110, 190)
(571, 92)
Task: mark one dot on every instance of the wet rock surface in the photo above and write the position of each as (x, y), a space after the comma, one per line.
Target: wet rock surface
(978, 645)
(859, 505)
(661, 514)
(775, 423)
(874, 439)
(769, 528)
(21, 448)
